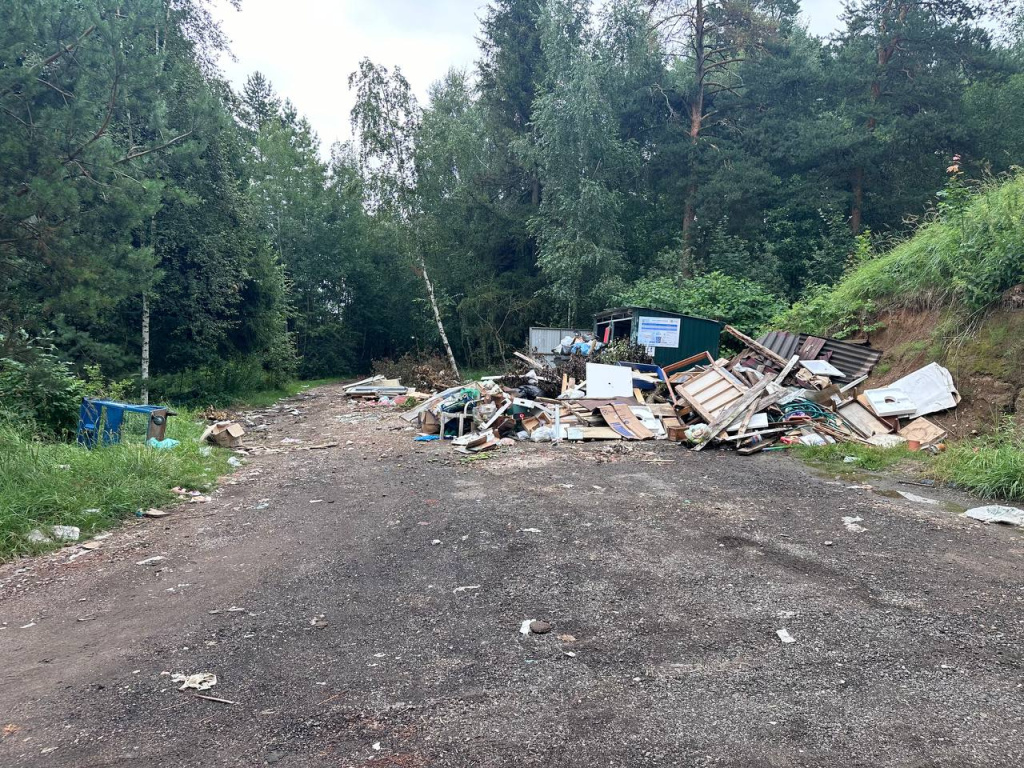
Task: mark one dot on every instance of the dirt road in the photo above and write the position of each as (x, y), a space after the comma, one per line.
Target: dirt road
(665, 575)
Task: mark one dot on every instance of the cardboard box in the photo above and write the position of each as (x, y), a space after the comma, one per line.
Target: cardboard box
(227, 434)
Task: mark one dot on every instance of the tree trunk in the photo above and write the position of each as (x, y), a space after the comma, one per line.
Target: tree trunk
(437, 318)
(696, 123)
(857, 210)
(689, 216)
(144, 396)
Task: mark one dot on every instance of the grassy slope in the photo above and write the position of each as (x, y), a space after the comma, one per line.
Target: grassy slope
(962, 262)
(956, 268)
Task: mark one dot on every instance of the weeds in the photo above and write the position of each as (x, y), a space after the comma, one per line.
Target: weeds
(991, 466)
(53, 483)
(868, 457)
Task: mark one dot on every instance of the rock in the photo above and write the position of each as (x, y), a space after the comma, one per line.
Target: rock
(540, 627)
(66, 532)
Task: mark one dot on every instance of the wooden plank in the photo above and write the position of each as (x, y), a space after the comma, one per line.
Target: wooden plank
(789, 367)
(700, 356)
(750, 450)
(494, 418)
(756, 346)
(634, 424)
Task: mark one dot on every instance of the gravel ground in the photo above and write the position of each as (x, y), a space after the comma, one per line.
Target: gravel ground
(665, 576)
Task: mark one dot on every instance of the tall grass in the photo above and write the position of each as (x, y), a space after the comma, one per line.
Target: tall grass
(53, 483)
(963, 259)
(991, 466)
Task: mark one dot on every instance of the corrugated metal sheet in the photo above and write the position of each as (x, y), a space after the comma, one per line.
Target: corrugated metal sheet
(855, 360)
(544, 340)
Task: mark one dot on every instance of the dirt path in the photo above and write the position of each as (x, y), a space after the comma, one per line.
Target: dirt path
(672, 577)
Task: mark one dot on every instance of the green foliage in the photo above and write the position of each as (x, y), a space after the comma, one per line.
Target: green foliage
(964, 260)
(51, 483)
(742, 303)
(38, 391)
(991, 466)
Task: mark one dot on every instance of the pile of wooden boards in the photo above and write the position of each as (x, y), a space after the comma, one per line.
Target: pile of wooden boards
(378, 388)
(758, 399)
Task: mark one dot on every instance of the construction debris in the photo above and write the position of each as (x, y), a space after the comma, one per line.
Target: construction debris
(757, 400)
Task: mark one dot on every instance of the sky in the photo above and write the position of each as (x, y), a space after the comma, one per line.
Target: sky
(308, 48)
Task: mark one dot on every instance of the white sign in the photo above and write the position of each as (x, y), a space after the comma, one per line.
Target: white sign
(658, 331)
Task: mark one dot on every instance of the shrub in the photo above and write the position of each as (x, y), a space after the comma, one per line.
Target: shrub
(38, 391)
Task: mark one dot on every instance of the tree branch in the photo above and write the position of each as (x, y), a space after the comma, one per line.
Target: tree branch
(62, 52)
(106, 122)
(133, 155)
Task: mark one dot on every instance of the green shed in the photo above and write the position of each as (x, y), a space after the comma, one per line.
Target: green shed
(672, 336)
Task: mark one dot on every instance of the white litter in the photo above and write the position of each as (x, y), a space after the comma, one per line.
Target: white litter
(915, 497)
(785, 637)
(457, 590)
(851, 524)
(524, 629)
(376, 746)
(201, 681)
(528, 530)
(995, 513)
(66, 532)
(150, 560)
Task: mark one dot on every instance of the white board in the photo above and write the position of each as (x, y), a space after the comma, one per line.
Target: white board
(890, 401)
(823, 368)
(606, 382)
(658, 331)
(931, 388)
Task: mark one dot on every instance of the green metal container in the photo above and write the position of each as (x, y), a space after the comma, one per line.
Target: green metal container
(673, 336)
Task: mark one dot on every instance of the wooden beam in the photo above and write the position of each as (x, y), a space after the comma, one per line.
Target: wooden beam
(757, 346)
(530, 360)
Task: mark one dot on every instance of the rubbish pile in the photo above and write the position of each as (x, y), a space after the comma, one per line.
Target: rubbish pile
(380, 389)
(756, 400)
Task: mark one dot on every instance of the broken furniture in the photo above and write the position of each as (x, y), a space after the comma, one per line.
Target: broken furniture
(104, 421)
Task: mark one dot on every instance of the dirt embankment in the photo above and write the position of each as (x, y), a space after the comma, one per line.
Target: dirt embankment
(985, 356)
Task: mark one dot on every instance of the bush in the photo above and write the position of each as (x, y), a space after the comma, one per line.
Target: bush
(38, 391)
(742, 303)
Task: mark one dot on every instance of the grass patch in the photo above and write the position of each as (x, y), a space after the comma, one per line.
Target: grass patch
(990, 466)
(264, 398)
(869, 457)
(53, 483)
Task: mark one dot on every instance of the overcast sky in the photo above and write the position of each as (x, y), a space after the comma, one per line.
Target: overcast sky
(308, 48)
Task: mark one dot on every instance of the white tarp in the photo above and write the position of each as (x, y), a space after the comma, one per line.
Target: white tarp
(995, 513)
(931, 388)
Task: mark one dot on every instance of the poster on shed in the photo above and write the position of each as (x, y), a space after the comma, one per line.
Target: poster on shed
(658, 331)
